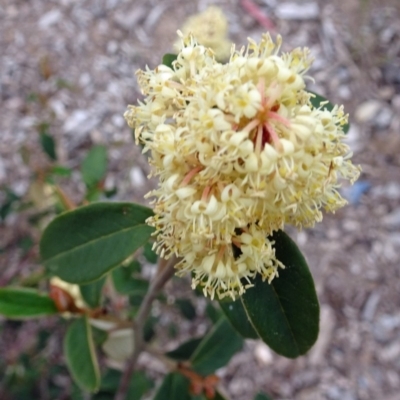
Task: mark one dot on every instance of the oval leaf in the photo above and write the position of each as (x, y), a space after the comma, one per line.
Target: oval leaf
(185, 350)
(91, 292)
(48, 145)
(125, 283)
(285, 313)
(168, 59)
(187, 309)
(236, 314)
(94, 166)
(216, 349)
(149, 254)
(138, 386)
(212, 312)
(82, 245)
(21, 303)
(316, 102)
(81, 356)
(174, 386)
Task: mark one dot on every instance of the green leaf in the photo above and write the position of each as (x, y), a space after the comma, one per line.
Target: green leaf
(21, 303)
(76, 392)
(217, 396)
(110, 192)
(185, 350)
(7, 206)
(138, 385)
(285, 313)
(186, 308)
(125, 283)
(64, 84)
(93, 194)
(149, 328)
(262, 396)
(217, 348)
(168, 59)
(174, 386)
(149, 254)
(213, 313)
(316, 102)
(48, 146)
(80, 355)
(91, 292)
(46, 141)
(82, 245)
(237, 316)
(99, 336)
(25, 244)
(94, 165)
(61, 171)
(32, 97)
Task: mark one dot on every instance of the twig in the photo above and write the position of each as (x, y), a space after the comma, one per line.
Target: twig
(65, 200)
(164, 273)
(254, 10)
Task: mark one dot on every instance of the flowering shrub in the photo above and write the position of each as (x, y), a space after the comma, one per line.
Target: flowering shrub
(241, 150)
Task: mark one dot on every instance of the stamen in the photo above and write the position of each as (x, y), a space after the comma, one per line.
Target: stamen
(237, 243)
(190, 175)
(275, 94)
(261, 89)
(277, 117)
(175, 85)
(220, 254)
(251, 125)
(206, 192)
(274, 136)
(259, 140)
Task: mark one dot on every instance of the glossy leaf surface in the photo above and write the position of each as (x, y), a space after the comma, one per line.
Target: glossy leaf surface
(217, 348)
(150, 254)
(185, 350)
(285, 313)
(125, 283)
(82, 245)
(80, 355)
(186, 308)
(138, 386)
(22, 303)
(91, 292)
(174, 386)
(236, 314)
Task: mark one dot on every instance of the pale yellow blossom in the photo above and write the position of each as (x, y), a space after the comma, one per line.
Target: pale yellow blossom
(240, 151)
(210, 28)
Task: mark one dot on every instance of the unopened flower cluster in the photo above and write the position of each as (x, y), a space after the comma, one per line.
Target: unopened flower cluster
(210, 28)
(239, 151)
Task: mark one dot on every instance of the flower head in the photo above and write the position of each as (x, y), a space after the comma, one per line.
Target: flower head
(239, 151)
(210, 28)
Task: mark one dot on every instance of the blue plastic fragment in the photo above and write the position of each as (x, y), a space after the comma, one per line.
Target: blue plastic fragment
(353, 193)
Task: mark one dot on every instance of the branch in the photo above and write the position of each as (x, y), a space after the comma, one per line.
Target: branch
(164, 273)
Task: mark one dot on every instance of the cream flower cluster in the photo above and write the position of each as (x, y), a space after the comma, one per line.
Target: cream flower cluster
(239, 151)
(210, 28)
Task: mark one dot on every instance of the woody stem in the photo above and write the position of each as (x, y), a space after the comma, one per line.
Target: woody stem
(164, 273)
